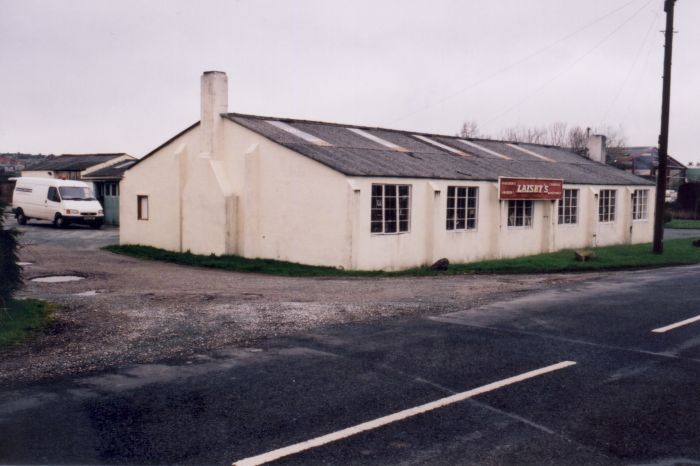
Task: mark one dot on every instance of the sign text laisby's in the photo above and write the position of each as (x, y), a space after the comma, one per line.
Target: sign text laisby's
(529, 189)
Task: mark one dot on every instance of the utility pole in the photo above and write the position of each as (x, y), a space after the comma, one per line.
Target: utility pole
(662, 171)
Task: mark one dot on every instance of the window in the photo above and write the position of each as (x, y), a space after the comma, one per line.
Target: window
(520, 214)
(606, 205)
(568, 207)
(390, 208)
(142, 206)
(53, 195)
(461, 207)
(640, 202)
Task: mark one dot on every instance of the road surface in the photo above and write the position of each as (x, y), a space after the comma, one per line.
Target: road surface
(602, 372)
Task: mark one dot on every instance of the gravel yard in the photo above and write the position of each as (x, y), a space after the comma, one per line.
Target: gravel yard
(128, 311)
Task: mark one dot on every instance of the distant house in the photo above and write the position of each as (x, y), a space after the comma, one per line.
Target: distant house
(370, 198)
(644, 162)
(104, 171)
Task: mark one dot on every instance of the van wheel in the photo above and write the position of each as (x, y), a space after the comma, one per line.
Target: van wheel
(60, 222)
(21, 218)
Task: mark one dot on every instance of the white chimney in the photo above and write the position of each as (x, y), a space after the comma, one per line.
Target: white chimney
(596, 147)
(214, 103)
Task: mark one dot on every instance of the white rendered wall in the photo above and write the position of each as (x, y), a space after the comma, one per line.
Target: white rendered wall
(157, 177)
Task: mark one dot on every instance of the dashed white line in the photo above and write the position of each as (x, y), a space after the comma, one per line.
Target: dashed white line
(676, 325)
(391, 418)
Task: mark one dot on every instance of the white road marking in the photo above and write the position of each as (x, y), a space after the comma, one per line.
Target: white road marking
(391, 418)
(676, 325)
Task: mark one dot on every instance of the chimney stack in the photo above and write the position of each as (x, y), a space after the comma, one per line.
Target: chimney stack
(214, 103)
(596, 147)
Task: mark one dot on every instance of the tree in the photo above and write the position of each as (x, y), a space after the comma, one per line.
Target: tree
(10, 271)
(470, 130)
(577, 139)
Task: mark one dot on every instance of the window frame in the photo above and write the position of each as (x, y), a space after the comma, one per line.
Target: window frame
(401, 206)
(453, 193)
(139, 207)
(573, 208)
(640, 211)
(521, 206)
(608, 202)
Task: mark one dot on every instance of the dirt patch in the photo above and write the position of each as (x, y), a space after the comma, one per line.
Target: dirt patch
(147, 311)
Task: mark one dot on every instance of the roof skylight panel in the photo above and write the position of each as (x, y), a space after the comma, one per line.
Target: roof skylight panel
(299, 133)
(529, 152)
(483, 149)
(441, 145)
(125, 164)
(378, 140)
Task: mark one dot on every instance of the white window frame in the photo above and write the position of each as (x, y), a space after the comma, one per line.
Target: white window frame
(470, 214)
(520, 208)
(378, 209)
(640, 205)
(567, 207)
(607, 200)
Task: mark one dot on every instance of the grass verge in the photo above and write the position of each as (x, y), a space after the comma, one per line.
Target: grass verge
(683, 224)
(20, 319)
(676, 252)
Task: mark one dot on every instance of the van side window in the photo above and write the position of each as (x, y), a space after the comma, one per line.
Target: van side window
(53, 195)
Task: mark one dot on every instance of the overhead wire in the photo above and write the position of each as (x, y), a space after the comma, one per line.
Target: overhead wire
(515, 63)
(654, 21)
(544, 85)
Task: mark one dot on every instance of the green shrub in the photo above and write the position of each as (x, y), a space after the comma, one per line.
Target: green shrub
(10, 271)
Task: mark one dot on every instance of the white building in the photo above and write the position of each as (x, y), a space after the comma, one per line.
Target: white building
(368, 198)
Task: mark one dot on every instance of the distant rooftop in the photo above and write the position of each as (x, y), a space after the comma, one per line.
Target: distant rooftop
(74, 162)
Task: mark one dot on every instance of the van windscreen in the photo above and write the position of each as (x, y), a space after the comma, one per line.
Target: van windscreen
(76, 193)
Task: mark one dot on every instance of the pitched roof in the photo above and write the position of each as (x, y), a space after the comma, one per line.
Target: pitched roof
(115, 171)
(373, 152)
(73, 162)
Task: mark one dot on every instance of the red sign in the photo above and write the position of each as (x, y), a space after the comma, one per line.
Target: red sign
(529, 189)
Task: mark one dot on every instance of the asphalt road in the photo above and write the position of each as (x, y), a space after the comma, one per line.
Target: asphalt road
(632, 396)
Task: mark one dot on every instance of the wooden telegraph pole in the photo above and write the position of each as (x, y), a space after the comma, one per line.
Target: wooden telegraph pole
(662, 171)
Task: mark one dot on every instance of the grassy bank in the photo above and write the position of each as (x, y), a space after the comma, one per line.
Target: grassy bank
(684, 224)
(676, 252)
(21, 319)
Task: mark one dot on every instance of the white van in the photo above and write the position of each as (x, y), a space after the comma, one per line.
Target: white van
(59, 201)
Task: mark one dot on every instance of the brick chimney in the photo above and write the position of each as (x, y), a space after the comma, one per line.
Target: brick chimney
(214, 103)
(596, 147)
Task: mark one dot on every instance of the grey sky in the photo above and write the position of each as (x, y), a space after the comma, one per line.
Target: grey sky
(106, 76)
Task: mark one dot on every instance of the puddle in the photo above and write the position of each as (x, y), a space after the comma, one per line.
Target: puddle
(24, 263)
(57, 279)
(88, 293)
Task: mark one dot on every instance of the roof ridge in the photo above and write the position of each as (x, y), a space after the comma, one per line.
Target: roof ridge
(229, 115)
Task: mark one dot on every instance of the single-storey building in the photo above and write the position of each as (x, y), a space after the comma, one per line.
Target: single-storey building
(106, 182)
(104, 171)
(370, 198)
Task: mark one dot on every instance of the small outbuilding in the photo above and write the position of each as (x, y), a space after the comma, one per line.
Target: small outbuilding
(370, 198)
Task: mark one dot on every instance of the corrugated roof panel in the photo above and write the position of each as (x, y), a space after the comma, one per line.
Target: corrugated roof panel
(480, 147)
(441, 145)
(356, 155)
(378, 140)
(299, 133)
(529, 152)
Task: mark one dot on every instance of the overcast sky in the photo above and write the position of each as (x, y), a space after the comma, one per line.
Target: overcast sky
(112, 76)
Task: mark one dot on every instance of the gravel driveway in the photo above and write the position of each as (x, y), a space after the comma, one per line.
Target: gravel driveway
(128, 311)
